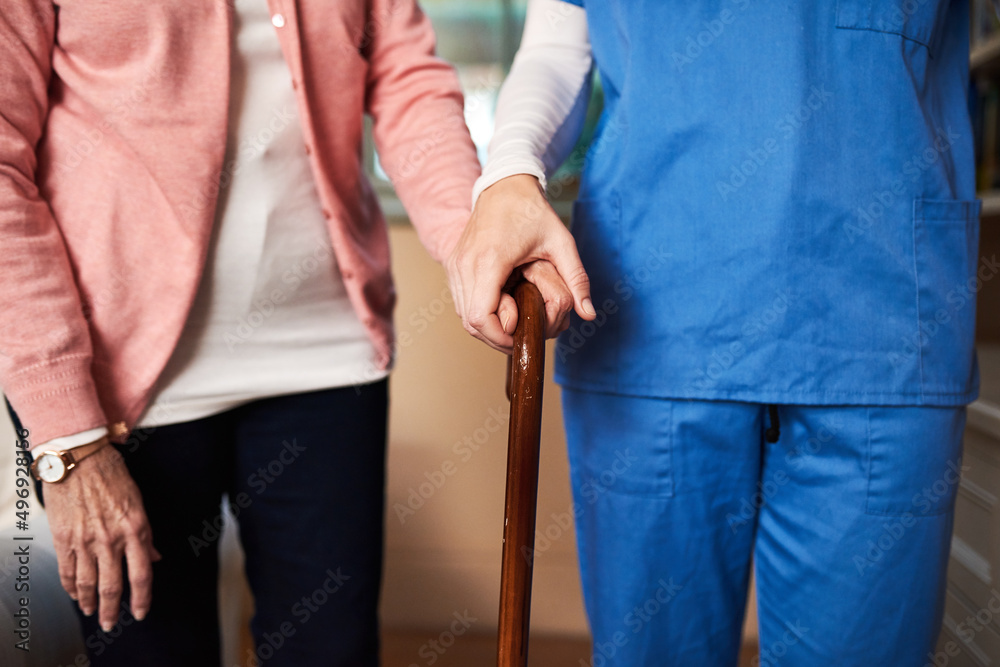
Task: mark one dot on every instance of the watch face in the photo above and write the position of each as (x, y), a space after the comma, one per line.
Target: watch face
(50, 468)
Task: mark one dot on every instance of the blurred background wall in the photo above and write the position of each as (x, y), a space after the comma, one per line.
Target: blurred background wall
(448, 437)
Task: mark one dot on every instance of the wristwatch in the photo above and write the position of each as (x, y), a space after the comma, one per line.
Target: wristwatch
(54, 466)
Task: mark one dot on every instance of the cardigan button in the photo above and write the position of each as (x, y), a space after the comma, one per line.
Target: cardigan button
(278, 20)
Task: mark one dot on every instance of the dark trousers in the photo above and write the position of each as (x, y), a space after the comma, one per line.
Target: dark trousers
(304, 475)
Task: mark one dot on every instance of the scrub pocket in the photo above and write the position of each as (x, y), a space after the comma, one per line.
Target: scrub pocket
(914, 460)
(619, 445)
(945, 247)
(913, 19)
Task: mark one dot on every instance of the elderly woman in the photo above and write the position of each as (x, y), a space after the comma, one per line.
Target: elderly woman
(196, 299)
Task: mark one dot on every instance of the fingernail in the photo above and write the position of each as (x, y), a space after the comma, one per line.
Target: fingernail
(107, 627)
(87, 611)
(588, 306)
(139, 615)
(506, 318)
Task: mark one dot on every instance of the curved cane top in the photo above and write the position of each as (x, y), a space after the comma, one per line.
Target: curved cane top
(529, 337)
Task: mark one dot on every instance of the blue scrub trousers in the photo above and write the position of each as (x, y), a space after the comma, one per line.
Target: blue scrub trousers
(847, 519)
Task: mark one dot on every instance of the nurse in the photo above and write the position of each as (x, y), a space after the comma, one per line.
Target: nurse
(770, 269)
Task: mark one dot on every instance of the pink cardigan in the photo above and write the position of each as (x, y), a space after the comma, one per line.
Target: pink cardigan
(112, 139)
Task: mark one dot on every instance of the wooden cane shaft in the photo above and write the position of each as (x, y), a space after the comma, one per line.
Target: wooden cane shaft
(526, 376)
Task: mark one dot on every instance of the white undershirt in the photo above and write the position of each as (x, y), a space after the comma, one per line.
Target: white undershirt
(271, 315)
(543, 102)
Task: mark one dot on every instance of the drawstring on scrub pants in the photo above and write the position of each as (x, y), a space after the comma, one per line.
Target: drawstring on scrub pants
(773, 431)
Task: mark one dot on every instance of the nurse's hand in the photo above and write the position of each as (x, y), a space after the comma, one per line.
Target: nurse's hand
(513, 227)
(97, 520)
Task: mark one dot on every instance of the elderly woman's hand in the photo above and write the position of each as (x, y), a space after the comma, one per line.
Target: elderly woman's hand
(97, 518)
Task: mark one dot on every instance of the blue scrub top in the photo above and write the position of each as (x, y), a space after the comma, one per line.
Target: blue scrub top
(779, 205)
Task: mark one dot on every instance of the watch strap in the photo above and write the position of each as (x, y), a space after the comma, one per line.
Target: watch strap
(77, 454)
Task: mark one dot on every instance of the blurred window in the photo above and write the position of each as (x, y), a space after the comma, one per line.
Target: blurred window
(480, 38)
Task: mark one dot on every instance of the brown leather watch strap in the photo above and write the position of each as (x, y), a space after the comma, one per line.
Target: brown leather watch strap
(77, 454)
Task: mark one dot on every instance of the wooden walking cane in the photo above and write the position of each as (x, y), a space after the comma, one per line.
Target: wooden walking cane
(526, 371)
